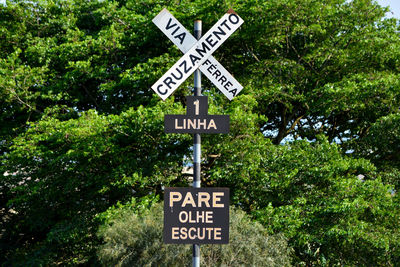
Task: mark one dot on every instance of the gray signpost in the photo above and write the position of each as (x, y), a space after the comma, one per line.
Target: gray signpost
(181, 213)
(197, 141)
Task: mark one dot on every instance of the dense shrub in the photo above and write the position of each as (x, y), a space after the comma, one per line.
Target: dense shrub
(136, 240)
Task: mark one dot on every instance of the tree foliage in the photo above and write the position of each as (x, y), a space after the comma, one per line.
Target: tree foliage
(136, 240)
(313, 149)
(321, 67)
(62, 173)
(382, 145)
(333, 208)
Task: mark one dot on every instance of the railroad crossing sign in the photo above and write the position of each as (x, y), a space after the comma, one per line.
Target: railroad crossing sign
(196, 119)
(197, 54)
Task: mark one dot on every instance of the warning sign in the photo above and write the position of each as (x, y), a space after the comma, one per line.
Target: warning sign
(196, 215)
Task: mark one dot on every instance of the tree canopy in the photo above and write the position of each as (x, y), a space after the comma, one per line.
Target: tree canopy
(313, 148)
(136, 240)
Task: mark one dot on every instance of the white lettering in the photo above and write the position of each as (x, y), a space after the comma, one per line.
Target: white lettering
(204, 197)
(174, 197)
(201, 199)
(200, 216)
(175, 231)
(217, 233)
(180, 216)
(191, 229)
(216, 198)
(212, 125)
(209, 217)
(178, 126)
(197, 233)
(192, 123)
(203, 123)
(188, 200)
(183, 233)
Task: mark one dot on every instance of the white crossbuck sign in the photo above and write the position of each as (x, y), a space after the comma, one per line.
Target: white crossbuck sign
(197, 54)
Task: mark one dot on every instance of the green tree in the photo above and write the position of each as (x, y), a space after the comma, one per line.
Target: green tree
(136, 240)
(334, 209)
(382, 146)
(81, 130)
(60, 174)
(319, 66)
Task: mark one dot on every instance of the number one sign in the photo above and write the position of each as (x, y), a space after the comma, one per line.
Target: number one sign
(196, 119)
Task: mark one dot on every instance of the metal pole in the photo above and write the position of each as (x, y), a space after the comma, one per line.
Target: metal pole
(196, 144)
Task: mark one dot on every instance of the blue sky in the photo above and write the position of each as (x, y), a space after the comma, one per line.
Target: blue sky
(393, 4)
(394, 7)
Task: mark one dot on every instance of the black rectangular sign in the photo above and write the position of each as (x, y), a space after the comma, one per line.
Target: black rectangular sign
(196, 119)
(196, 215)
(211, 124)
